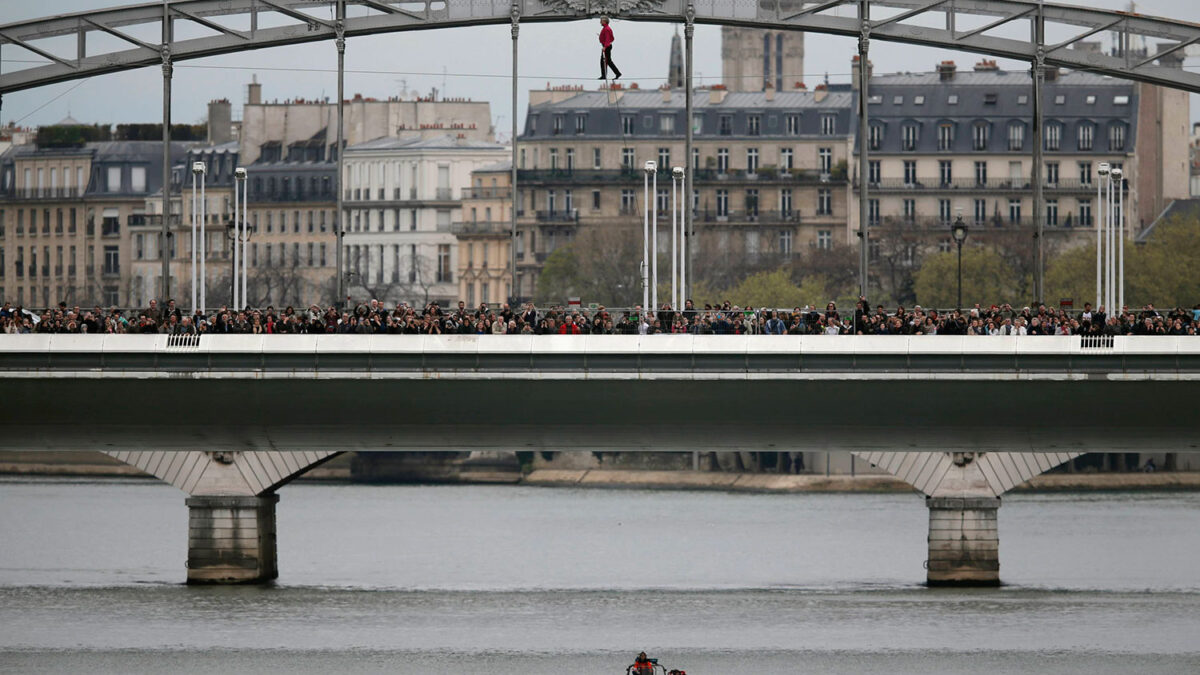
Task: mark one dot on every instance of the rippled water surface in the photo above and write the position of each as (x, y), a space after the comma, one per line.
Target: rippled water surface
(529, 580)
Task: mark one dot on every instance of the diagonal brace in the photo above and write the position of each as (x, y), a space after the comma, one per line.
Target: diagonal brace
(299, 16)
(813, 10)
(124, 36)
(211, 24)
(999, 22)
(909, 14)
(40, 52)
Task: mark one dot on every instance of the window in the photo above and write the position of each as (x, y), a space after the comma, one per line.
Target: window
(581, 124)
(1014, 211)
(825, 239)
(412, 219)
(1086, 134)
(944, 211)
(898, 100)
(627, 158)
(570, 159)
(1051, 173)
(946, 172)
(910, 137)
(946, 137)
(112, 260)
(1053, 136)
(558, 126)
(1116, 137)
(952, 99)
(753, 125)
(785, 242)
(628, 201)
(752, 202)
(1085, 173)
(722, 160)
(980, 211)
(876, 136)
(792, 125)
(874, 170)
(824, 202)
(786, 159)
(981, 176)
(918, 100)
(595, 158)
(1120, 100)
(311, 253)
(990, 99)
(71, 222)
(595, 200)
(1052, 212)
(980, 136)
(443, 263)
(114, 178)
(785, 202)
(828, 125)
(910, 173)
(910, 210)
(1085, 212)
(722, 203)
(627, 125)
(697, 123)
(553, 159)
(1060, 99)
(725, 125)
(751, 160)
(825, 160)
(872, 212)
(666, 124)
(1016, 137)
(664, 160)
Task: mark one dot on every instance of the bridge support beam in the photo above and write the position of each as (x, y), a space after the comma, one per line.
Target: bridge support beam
(231, 540)
(964, 543)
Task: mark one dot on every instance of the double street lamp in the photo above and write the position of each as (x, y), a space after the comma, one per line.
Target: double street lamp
(959, 231)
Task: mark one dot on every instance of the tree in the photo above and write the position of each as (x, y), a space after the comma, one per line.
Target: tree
(987, 279)
(601, 265)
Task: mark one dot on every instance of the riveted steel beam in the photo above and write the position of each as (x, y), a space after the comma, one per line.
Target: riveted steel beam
(901, 21)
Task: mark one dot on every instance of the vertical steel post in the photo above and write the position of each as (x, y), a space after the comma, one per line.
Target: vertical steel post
(864, 48)
(1039, 197)
(514, 288)
(1098, 216)
(1108, 249)
(246, 239)
(689, 232)
(164, 244)
(340, 29)
(645, 236)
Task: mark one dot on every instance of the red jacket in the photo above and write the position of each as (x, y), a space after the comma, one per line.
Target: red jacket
(606, 36)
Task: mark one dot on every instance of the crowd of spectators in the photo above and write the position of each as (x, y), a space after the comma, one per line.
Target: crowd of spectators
(725, 319)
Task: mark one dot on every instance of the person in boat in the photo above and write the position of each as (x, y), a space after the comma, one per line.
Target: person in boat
(642, 665)
(606, 41)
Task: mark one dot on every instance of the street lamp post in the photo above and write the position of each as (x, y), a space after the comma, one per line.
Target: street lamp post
(240, 183)
(198, 172)
(959, 232)
(649, 169)
(238, 233)
(1101, 217)
(1119, 299)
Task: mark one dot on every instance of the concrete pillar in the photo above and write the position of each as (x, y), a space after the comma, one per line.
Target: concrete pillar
(231, 540)
(964, 544)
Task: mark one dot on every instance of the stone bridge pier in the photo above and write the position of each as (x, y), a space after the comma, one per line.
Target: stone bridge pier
(231, 506)
(962, 492)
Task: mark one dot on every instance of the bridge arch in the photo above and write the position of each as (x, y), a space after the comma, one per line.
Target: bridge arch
(964, 25)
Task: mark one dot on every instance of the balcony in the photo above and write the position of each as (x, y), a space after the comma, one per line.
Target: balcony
(156, 220)
(752, 216)
(971, 185)
(443, 194)
(486, 193)
(28, 194)
(989, 224)
(561, 216)
(478, 227)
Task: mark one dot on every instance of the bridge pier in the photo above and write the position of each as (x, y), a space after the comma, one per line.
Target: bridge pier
(231, 539)
(964, 543)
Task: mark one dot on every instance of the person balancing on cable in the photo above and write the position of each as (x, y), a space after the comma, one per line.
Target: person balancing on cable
(606, 40)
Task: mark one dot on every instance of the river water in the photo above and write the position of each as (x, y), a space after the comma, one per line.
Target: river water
(536, 580)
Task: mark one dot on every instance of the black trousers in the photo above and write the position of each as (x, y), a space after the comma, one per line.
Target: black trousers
(606, 63)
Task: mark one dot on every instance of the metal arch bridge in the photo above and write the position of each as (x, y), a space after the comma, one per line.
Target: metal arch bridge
(240, 25)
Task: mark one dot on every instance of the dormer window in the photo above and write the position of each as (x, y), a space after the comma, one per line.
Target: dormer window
(910, 137)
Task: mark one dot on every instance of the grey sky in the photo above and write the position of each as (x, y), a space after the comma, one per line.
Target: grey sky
(475, 61)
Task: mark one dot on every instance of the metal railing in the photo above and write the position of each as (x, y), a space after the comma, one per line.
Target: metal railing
(969, 184)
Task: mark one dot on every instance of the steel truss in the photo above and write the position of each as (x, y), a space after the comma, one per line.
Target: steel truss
(982, 26)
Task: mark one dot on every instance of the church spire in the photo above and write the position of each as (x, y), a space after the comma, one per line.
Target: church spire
(675, 74)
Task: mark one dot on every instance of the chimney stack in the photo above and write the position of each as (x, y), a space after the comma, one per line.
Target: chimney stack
(986, 66)
(854, 71)
(717, 94)
(946, 70)
(220, 122)
(769, 91)
(254, 91)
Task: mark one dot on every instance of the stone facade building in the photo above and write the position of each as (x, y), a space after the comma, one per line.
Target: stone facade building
(752, 59)
(484, 236)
